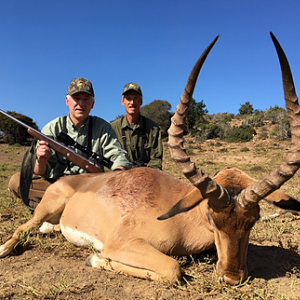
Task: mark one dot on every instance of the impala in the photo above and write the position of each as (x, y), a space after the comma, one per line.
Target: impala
(138, 219)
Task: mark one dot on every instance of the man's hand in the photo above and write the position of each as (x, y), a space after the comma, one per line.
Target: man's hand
(120, 168)
(43, 153)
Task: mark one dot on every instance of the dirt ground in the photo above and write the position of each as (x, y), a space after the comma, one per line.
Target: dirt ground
(56, 269)
(29, 274)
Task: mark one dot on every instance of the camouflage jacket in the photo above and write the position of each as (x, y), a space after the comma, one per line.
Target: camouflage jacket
(153, 149)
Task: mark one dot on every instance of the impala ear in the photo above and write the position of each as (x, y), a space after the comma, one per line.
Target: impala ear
(283, 201)
(185, 204)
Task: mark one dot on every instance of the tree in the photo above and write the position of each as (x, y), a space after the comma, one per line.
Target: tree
(159, 112)
(195, 115)
(246, 109)
(117, 117)
(14, 132)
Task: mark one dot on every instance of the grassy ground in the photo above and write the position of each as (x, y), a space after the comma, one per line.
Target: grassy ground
(48, 267)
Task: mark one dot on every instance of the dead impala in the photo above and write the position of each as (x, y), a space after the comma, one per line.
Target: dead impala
(138, 218)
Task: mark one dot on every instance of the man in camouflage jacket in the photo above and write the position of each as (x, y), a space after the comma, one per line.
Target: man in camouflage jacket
(140, 136)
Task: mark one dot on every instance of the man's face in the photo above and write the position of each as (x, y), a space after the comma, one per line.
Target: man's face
(132, 102)
(80, 105)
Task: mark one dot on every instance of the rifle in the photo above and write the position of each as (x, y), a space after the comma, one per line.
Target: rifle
(30, 157)
(67, 152)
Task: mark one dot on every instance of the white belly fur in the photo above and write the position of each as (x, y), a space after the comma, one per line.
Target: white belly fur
(80, 239)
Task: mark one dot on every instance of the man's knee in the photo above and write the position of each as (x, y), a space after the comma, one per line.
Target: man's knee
(14, 184)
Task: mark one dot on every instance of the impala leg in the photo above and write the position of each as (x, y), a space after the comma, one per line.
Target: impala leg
(137, 259)
(6, 248)
(283, 200)
(49, 209)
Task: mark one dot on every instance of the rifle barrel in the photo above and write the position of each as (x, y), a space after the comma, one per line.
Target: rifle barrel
(15, 119)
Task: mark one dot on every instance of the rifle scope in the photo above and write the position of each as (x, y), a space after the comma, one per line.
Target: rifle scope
(66, 139)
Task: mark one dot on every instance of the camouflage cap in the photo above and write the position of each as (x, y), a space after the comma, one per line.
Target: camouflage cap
(80, 84)
(132, 87)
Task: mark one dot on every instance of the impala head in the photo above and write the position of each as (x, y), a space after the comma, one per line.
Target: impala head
(233, 197)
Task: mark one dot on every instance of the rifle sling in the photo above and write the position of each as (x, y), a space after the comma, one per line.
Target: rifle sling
(27, 168)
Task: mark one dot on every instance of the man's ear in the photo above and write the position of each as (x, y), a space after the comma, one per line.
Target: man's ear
(67, 100)
(122, 101)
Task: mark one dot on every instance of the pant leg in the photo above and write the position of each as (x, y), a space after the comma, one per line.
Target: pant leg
(37, 189)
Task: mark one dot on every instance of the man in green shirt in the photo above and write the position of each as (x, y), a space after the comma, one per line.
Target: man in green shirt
(90, 131)
(140, 136)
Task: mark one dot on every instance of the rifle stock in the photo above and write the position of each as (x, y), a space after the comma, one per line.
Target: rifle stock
(70, 154)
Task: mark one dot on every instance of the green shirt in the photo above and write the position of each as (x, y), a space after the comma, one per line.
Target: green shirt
(104, 143)
(153, 149)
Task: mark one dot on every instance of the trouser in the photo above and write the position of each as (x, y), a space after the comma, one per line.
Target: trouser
(37, 189)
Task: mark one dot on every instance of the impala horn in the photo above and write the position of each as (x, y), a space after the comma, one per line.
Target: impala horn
(208, 187)
(262, 188)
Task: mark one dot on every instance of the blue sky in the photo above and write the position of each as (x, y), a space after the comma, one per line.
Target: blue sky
(45, 44)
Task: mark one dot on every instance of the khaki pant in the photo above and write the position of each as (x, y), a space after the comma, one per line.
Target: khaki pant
(37, 188)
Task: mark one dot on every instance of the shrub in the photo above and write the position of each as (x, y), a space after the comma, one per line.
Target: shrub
(281, 131)
(242, 134)
(211, 131)
(222, 117)
(257, 119)
(276, 114)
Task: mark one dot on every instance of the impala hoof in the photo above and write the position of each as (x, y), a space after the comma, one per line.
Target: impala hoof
(4, 251)
(221, 279)
(88, 261)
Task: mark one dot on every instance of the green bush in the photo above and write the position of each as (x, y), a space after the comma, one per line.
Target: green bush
(221, 117)
(276, 114)
(223, 150)
(246, 109)
(241, 134)
(211, 131)
(281, 131)
(257, 119)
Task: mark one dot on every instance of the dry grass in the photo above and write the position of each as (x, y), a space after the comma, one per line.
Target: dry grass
(273, 256)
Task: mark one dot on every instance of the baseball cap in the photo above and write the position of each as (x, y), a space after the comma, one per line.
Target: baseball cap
(80, 84)
(132, 87)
